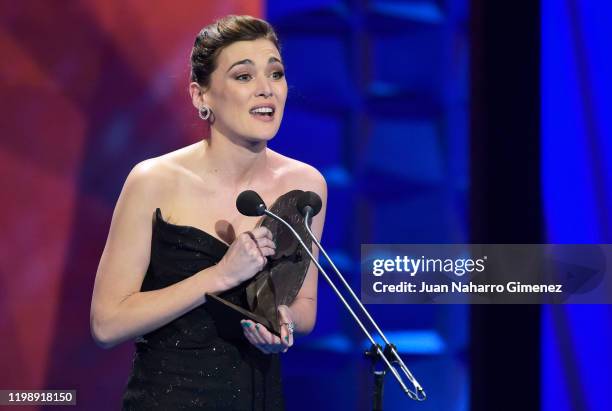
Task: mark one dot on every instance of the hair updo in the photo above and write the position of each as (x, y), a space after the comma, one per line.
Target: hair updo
(215, 37)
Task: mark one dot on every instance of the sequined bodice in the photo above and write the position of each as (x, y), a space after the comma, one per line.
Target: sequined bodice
(185, 364)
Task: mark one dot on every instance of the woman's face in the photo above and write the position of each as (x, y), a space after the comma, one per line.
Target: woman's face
(248, 90)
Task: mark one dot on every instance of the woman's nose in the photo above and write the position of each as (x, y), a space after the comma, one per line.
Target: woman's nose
(264, 88)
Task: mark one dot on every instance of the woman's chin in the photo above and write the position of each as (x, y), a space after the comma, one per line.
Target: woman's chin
(257, 139)
(261, 136)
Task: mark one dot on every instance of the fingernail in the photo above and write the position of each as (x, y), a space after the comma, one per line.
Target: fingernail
(257, 326)
(287, 338)
(246, 325)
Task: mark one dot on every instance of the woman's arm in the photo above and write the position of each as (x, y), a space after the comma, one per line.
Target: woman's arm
(119, 311)
(143, 312)
(304, 307)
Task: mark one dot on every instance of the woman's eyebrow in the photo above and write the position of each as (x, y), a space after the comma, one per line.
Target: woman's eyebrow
(274, 60)
(245, 61)
(249, 61)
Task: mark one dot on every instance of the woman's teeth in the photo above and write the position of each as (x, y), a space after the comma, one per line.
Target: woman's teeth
(263, 111)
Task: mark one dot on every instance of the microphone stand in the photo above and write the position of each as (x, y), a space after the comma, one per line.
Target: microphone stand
(390, 348)
(376, 352)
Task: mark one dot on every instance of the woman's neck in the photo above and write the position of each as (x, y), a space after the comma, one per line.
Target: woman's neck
(234, 161)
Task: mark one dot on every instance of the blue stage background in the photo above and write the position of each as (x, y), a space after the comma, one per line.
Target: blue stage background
(577, 193)
(379, 103)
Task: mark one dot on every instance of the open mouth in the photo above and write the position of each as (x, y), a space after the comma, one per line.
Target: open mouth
(263, 113)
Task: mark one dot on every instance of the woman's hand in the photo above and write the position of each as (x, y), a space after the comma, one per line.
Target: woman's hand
(246, 256)
(264, 340)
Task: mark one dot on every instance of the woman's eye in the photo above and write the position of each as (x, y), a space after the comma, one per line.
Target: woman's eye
(243, 77)
(277, 75)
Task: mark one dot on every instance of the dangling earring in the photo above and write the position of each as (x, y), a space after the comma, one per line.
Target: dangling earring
(204, 112)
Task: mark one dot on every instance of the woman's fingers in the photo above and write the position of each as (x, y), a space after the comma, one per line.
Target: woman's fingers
(265, 242)
(271, 340)
(246, 256)
(267, 251)
(276, 342)
(260, 337)
(287, 325)
(285, 338)
(253, 330)
(262, 232)
(251, 334)
(262, 242)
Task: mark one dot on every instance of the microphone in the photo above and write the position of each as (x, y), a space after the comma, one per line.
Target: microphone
(309, 203)
(249, 203)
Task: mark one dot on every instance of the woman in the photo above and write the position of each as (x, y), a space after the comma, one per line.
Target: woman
(152, 278)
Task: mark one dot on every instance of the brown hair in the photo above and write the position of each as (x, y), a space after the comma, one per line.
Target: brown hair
(215, 37)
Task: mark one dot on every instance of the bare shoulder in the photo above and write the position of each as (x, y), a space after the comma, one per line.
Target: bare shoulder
(300, 175)
(156, 178)
(149, 179)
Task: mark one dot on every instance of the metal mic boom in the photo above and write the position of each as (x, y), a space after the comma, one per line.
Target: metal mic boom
(388, 345)
(379, 351)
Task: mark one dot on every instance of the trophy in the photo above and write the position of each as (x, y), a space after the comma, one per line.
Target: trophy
(278, 283)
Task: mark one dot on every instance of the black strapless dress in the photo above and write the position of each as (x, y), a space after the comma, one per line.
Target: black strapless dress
(185, 365)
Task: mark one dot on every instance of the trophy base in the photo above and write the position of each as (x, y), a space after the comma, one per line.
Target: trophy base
(227, 316)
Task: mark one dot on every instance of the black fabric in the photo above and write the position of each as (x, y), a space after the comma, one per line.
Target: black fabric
(185, 365)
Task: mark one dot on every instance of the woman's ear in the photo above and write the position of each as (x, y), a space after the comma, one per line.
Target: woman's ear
(197, 95)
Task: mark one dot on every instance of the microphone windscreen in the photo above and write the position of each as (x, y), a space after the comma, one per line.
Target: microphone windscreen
(309, 198)
(249, 203)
